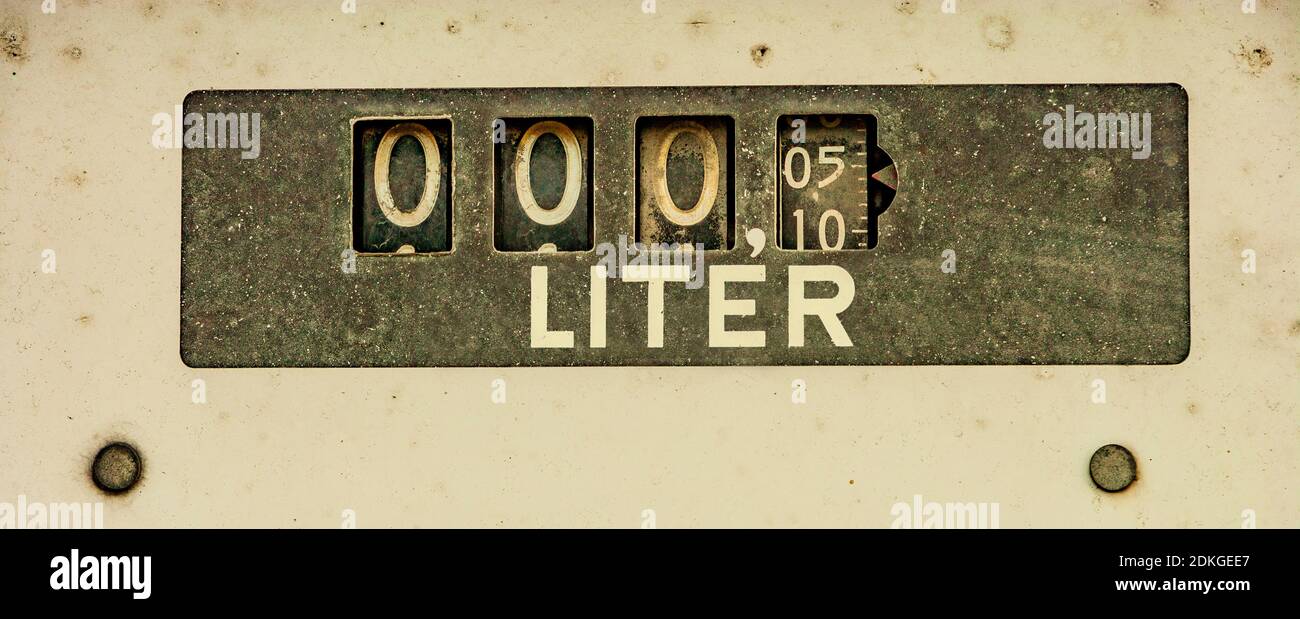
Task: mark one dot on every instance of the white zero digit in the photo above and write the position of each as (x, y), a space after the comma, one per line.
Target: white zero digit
(432, 172)
(839, 234)
(572, 173)
(709, 188)
(788, 169)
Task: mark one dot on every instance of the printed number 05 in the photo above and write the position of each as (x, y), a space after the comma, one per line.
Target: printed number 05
(823, 157)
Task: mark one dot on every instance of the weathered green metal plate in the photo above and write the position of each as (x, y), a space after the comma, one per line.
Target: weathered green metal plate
(995, 248)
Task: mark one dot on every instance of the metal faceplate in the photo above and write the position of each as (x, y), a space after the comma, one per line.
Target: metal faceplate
(995, 249)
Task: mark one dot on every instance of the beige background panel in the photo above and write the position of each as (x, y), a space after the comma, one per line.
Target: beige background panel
(91, 352)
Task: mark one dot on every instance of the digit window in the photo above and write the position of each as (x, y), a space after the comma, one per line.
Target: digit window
(543, 184)
(401, 179)
(684, 181)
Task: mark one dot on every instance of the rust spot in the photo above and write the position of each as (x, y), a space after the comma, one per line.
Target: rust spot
(1254, 57)
(1191, 408)
(998, 33)
(1295, 328)
(453, 26)
(850, 482)
(760, 54)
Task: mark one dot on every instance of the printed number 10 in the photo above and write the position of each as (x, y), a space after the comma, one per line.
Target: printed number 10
(828, 214)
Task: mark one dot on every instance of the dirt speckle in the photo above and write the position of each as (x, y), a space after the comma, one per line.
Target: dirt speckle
(1253, 57)
(1191, 408)
(453, 26)
(77, 179)
(699, 24)
(1114, 44)
(262, 68)
(760, 54)
(1295, 329)
(13, 40)
(85, 320)
(906, 7)
(610, 77)
(997, 31)
(151, 10)
(72, 52)
(1098, 170)
(925, 75)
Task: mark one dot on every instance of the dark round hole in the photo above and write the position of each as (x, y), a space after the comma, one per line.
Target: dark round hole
(116, 468)
(1112, 468)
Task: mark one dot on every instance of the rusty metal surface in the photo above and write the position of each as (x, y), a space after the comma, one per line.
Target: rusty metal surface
(1064, 256)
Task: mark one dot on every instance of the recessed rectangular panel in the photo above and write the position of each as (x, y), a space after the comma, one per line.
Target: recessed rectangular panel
(1032, 224)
